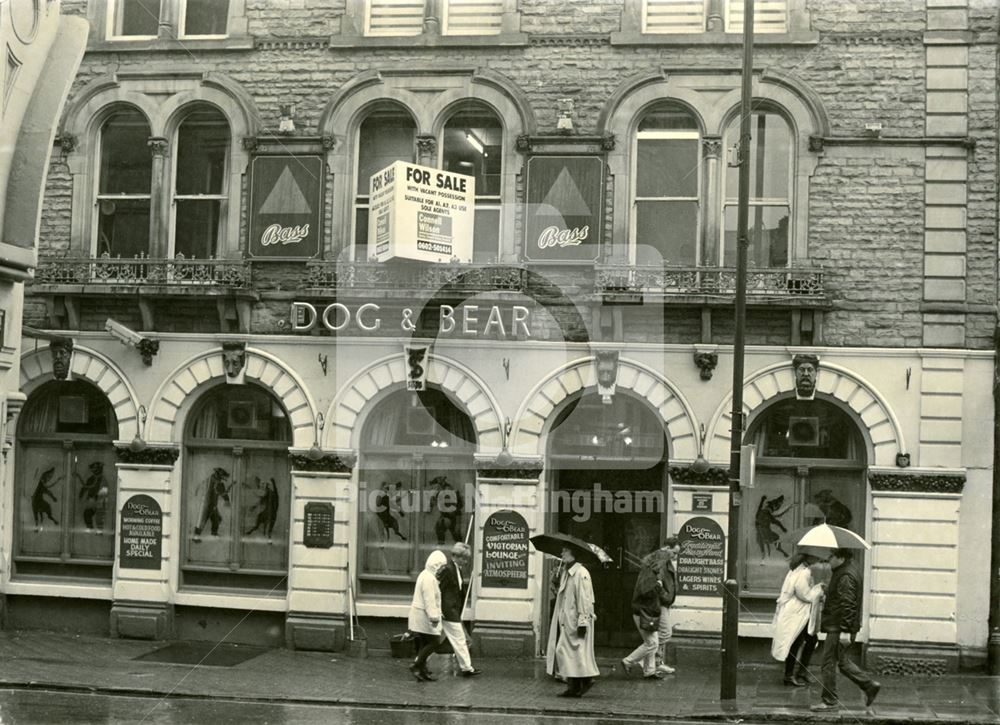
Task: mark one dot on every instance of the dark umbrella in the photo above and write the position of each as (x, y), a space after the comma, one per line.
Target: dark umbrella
(584, 551)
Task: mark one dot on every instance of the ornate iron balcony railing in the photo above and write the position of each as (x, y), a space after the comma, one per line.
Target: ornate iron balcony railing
(144, 271)
(781, 282)
(409, 277)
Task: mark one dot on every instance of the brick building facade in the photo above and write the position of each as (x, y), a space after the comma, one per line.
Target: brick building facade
(874, 249)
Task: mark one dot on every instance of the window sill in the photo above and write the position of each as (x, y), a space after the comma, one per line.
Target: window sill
(796, 37)
(126, 45)
(429, 41)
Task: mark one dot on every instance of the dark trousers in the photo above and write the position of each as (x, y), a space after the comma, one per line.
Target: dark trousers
(800, 653)
(426, 643)
(834, 657)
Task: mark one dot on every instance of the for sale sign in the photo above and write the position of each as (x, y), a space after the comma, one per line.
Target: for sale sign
(421, 213)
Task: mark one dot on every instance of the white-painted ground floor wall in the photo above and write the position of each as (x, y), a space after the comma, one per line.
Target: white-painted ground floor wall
(925, 417)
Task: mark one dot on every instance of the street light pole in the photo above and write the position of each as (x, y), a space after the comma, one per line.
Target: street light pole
(731, 593)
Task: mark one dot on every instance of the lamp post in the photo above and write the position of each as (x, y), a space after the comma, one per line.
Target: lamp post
(731, 591)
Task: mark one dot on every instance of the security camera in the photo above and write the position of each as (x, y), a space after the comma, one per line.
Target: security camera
(123, 334)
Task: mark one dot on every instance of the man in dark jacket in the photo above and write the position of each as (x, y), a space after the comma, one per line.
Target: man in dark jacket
(668, 592)
(453, 588)
(842, 615)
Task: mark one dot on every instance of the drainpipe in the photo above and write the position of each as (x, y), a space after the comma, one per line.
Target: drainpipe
(993, 646)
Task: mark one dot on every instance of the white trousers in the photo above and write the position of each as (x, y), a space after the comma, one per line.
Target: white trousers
(455, 633)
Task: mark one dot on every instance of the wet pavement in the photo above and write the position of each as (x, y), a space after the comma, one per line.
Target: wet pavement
(285, 686)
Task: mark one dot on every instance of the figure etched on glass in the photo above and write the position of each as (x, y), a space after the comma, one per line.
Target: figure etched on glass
(267, 508)
(384, 500)
(767, 516)
(40, 508)
(94, 494)
(217, 489)
(449, 504)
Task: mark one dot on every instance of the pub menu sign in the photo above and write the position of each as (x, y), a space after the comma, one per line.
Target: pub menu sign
(286, 207)
(564, 218)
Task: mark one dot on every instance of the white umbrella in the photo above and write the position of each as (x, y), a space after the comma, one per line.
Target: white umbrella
(825, 536)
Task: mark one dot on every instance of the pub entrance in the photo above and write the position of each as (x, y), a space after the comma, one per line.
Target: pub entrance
(607, 463)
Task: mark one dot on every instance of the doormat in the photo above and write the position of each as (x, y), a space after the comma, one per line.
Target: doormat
(207, 654)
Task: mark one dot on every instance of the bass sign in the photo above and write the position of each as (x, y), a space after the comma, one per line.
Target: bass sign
(556, 237)
(277, 234)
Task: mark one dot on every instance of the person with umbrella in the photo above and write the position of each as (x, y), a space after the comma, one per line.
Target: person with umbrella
(842, 615)
(570, 651)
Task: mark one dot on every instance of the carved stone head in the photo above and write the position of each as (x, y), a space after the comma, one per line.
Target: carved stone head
(806, 370)
(62, 353)
(607, 373)
(234, 357)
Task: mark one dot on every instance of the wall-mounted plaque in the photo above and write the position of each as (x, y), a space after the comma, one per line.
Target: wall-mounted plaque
(701, 501)
(702, 558)
(505, 551)
(318, 525)
(141, 534)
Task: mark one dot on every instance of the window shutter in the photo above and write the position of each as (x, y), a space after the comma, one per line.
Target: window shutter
(395, 17)
(472, 17)
(673, 16)
(769, 16)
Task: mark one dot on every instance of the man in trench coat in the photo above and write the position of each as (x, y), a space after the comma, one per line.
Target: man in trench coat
(570, 651)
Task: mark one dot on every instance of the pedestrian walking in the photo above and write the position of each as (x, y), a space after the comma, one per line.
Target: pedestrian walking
(570, 652)
(668, 593)
(793, 643)
(646, 615)
(425, 614)
(453, 588)
(842, 616)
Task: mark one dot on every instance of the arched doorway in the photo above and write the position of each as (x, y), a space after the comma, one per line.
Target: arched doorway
(607, 463)
(66, 483)
(416, 488)
(811, 463)
(237, 490)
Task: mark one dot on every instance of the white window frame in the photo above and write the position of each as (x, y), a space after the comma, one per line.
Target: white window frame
(446, 14)
(110, 27)
(682, 31)
(99, 197)
(634, 188)
(731, 140)
(382, 34)
(175, 197)
(732, 17)
(182, 23)
(489, 202)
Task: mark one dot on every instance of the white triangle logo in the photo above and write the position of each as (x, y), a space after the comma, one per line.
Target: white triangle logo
(565, 196)
(286, 197)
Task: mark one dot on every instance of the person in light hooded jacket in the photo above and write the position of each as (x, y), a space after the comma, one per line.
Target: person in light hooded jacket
(425, 614)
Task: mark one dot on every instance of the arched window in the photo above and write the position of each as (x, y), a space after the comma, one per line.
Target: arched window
(386, 135)
(200, 193)
(237, 489)
(667, 186)
(417, 488)
(472, 144)
(770, 192)
(66, 483)
(124, 185)
(810, 470)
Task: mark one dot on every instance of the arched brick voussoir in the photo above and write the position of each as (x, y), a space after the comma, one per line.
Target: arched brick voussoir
(180, 388)
(345, 416)
(872, 409)
(527, 438)
(94, 368)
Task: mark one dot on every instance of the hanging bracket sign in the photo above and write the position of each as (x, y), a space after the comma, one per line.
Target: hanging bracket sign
(702, 557)
(141, 534)
(505, 551)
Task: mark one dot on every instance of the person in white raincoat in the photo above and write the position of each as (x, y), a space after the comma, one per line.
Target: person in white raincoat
(425, 614)
(570, 652)
(793, 643)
